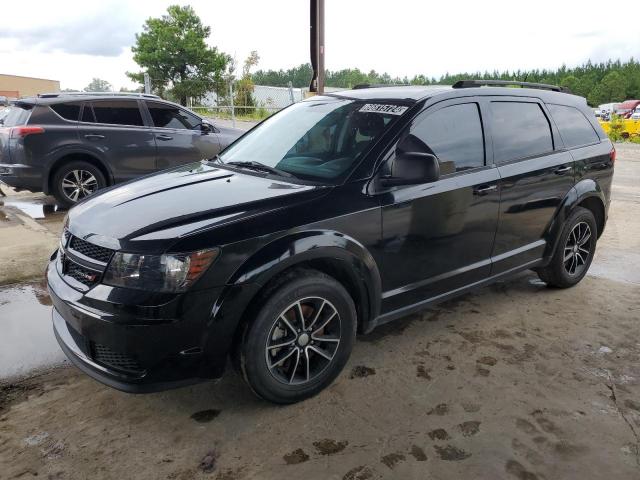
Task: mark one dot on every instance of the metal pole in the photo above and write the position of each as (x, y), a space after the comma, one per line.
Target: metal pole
(291, 97)
(320, 47)
(316, 31)
(147, 83)
(233, 110)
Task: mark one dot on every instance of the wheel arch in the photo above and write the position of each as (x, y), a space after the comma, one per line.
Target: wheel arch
(74, 155)
(591, 197)
(337, 255)
(587, 194)
(333, 253)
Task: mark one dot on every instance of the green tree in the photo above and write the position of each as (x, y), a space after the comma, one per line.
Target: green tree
(590, 80)
(612, 88)
(173, 51)
(245, 86)
(98, 85)
(571, 82)
(131, 90)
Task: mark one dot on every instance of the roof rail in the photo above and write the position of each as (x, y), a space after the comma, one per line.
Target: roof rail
(506, 83)
(96, 94)
(378, 85)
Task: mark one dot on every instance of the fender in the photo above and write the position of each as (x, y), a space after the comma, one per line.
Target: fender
(307, 246)
(582, 190)
(57, 154)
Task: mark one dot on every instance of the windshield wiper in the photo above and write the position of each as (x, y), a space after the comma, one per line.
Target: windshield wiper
(252, 165)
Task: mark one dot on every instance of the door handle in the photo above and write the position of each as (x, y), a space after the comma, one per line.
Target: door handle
(164, 137)
(94, 136)
(561, 170)
(484, 189)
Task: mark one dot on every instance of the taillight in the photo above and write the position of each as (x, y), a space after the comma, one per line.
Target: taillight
(21, 132)
(612, 155)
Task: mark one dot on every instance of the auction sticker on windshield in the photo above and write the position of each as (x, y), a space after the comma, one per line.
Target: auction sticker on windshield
(384, 108)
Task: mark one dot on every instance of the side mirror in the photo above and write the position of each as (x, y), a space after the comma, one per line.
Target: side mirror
(206, 127)
(413, 168)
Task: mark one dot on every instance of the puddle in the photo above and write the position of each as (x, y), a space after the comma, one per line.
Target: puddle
(27, 341)
(37, 208)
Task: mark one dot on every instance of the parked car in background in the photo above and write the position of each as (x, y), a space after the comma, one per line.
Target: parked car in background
(337, 214)
(4, 112)
(72, 144)
(636, 114)
(626, 108)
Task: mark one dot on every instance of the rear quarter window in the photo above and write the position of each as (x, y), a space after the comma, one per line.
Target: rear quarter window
(68, 111)
(520, 130)
(574, 127)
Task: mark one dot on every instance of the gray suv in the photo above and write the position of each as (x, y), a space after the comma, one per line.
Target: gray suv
(70, 145)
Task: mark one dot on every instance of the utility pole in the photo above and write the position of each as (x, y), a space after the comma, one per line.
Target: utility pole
(317, 45)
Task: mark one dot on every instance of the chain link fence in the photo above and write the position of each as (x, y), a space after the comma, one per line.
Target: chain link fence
(236, 99)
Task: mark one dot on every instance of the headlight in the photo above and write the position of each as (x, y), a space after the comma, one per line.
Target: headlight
(167, 273)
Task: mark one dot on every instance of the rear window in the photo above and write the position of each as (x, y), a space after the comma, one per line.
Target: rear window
(16, 115)
(519, 130)
(118, 112)
(68, 111)
(574, 127)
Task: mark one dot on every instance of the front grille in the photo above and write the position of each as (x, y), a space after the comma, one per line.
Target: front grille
(90, 250)
(118, 361)
(65, 237)
(77, 272)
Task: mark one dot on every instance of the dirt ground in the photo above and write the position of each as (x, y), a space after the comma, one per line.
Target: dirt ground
(514, 381)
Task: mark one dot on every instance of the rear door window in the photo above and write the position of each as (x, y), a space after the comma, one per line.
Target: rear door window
(453, 134)
(168, 116)
(118, 112)
(68, 111)
(574, 127)
(520, 130)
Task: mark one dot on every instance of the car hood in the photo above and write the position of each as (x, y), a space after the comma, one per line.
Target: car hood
(150, 214)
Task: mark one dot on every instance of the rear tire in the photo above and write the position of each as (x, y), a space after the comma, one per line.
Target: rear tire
(574, 252)
(75, 181)
(301, 338)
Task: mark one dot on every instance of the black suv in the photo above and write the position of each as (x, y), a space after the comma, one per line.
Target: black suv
(338, 214)
(71, 145)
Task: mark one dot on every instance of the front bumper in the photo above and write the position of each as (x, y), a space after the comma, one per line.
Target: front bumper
(135, 342)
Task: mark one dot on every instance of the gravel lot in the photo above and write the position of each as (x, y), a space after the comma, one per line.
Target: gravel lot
(514, 381)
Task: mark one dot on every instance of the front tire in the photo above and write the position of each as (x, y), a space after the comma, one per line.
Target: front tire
(300, 339)
(75, 181)
(574, 252)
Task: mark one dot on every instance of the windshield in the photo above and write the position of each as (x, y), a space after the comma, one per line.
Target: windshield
(319, 139)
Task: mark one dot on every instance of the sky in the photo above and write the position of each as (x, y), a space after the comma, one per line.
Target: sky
(75, 41)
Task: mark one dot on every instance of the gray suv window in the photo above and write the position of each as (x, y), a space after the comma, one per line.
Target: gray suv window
(68, 111)
(574, 127)
(168, 116)
(519, 130)
(116, 112)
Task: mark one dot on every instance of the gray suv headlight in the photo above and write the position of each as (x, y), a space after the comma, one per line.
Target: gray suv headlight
(166, 273)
